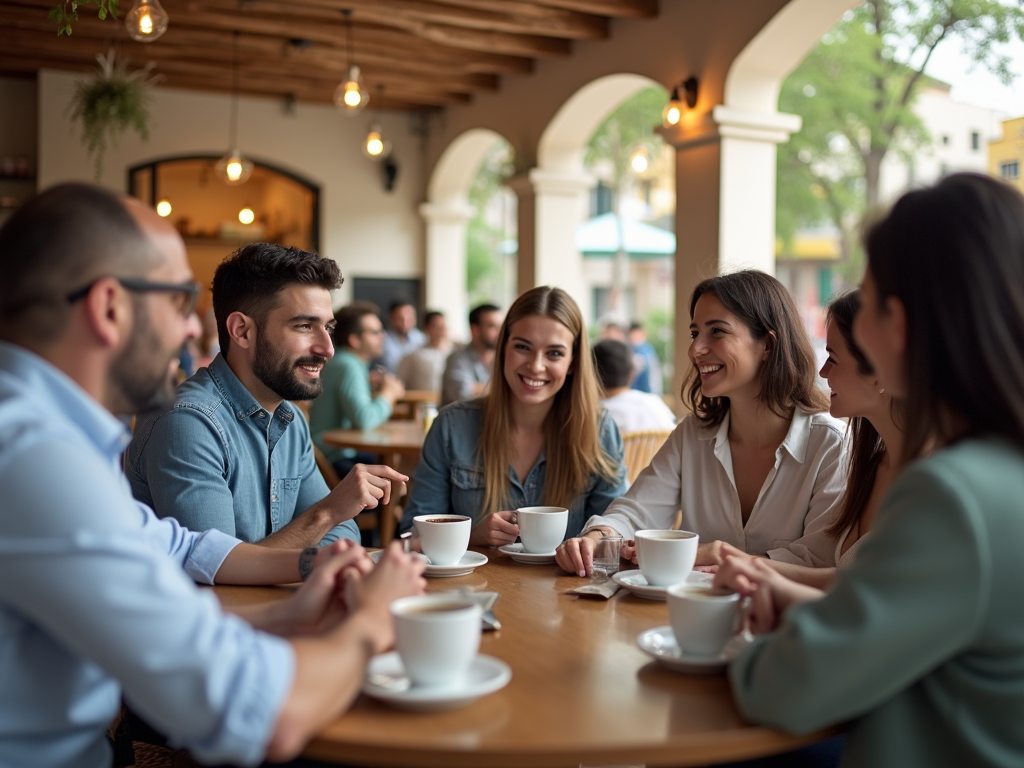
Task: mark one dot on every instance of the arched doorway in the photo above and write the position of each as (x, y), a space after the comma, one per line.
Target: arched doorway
(447, 213)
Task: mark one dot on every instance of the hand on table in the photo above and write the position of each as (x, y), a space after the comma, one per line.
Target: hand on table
(365, 487)
(495, 530)
(576, 556)
(770, 592)
(320, 604)
(396, 575)
(391, 388)
(714, 553)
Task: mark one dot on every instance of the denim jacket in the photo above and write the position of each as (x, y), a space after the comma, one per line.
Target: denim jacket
(217, 459)
(448, 478)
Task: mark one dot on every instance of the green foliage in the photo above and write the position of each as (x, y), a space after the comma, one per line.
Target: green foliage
(485, 261)
(855, 92)
(66, 12)
(660, 327)
(109, 103)
(631, 124)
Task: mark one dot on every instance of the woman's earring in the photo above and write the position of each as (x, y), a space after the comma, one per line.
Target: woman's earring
(881, 391)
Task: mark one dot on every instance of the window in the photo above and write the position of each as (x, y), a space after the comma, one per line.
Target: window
(1009, 171)
(975, 141)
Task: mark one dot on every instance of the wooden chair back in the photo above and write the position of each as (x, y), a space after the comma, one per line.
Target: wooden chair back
(640, 448)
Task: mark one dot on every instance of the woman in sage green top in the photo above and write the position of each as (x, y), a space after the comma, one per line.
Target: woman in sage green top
(919, 645)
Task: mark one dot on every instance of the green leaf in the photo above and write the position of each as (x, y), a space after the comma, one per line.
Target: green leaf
(102, 13)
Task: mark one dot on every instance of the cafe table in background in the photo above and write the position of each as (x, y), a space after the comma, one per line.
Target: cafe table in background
(398, 442)
(581, 690)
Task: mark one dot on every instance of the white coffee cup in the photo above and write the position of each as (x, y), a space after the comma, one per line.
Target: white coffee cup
(703, 618)
(437, 637)
(666, 557)
(542, 528)
(443, 538)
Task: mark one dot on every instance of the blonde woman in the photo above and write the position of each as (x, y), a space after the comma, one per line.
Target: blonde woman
(538, 437)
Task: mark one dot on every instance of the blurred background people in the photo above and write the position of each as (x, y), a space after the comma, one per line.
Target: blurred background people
(348, 401)
(632, 410)
(403, 336)
(648, 367)
(423, 368)
(468, 370)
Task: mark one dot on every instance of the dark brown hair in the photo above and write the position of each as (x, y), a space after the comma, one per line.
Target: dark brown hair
(250, 280)
(788, 375)
(953, 255)
(866, 446)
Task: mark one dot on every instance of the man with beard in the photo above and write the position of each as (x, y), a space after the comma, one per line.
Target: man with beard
(97, 594)
(349, 402)
(232, 453)
(468, 371)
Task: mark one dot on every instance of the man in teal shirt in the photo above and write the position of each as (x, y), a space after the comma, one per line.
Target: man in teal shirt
(348, 401)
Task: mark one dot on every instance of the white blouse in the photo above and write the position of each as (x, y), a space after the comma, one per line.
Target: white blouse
(693, 471)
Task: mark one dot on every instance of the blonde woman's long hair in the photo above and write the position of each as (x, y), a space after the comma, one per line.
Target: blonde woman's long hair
(572, 443)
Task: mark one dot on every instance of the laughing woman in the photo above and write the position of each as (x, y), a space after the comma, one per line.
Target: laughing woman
(538, 437)
(919, 644)
(759, 459)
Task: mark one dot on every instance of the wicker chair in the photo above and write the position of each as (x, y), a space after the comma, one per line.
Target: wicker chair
(640, 448)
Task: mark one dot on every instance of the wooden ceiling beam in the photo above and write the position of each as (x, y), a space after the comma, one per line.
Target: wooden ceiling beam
(518, 18)
(637, 9)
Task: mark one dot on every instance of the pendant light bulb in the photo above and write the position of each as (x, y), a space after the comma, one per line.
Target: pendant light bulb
(246, 216)
(673, 111)
(350, 95)
(376, 147)
(163, 208)
(146, 21)
(233, 169)
(639, 160)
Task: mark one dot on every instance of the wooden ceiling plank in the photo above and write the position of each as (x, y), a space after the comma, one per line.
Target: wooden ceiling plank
(636, 9)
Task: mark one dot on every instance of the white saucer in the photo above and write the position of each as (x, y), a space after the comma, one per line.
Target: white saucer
(660, 644)
(518, 553)
(635, 582)
(469, 561)
(386, 680)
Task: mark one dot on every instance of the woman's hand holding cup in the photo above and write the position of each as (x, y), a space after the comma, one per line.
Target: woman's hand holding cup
(495, 530)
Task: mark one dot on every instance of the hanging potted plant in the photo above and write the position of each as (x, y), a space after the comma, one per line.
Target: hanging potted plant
(111, 102)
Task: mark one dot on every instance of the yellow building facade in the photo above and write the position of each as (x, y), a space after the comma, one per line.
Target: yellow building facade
(1006, 156)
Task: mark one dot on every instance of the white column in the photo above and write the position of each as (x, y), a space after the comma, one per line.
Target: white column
(747, 192)
(445, 271)
(560, 199)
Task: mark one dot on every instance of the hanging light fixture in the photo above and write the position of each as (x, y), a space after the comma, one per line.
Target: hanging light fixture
(246, 216)
(163, 208)
(233, 168)
(639, 160)
(146, 21)
(376, 147)
(673, 110)
(350, 95)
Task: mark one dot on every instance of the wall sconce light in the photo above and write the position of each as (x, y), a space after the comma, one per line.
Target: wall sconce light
(673, 111)
(389, 174)
(163, 208)
(246, 216)
(146, 21)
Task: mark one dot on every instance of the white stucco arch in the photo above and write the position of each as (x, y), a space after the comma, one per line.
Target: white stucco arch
(750, 127)
(446, 214)
(560, 187)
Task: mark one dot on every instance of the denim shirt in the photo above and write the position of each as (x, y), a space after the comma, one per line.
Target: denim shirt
(448, 478)
(97, 597)
(218, 459)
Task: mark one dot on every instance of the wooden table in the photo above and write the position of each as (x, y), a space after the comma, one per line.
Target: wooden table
(410, 406)
(399, 442)
(581, 691)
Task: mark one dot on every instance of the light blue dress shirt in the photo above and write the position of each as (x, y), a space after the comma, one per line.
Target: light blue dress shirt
(395, 348)
(448, 478)
(95, 600)
(218, 459)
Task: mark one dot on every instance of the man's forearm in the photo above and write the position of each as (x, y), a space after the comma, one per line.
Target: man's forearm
(250, 564)
(306, 530)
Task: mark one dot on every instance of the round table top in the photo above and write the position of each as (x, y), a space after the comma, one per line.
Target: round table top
(581, 690)
(404, 437)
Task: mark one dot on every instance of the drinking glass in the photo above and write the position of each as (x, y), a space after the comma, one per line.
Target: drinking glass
(606, 555)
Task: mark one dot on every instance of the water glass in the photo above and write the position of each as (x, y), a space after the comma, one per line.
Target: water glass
(606, 555)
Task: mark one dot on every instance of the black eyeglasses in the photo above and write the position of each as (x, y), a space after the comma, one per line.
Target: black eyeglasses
(188, 292)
